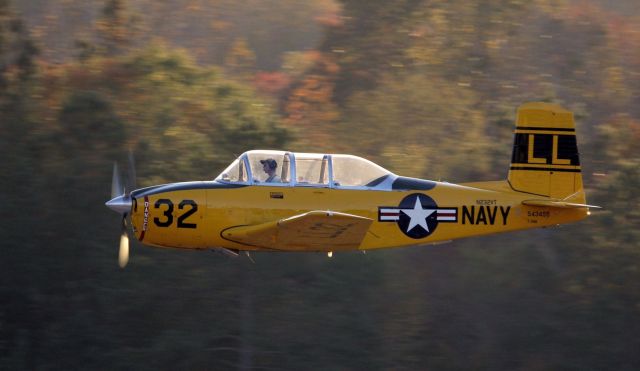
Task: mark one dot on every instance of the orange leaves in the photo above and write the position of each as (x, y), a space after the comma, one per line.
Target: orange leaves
(331, 13)
(240, 58)
(272, 83)
(310, 102)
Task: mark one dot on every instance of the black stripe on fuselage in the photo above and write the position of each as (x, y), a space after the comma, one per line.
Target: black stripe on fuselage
(550, 169)
(545, 129)
(183, 186)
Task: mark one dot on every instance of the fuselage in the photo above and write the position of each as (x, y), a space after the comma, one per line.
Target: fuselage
(195, 215)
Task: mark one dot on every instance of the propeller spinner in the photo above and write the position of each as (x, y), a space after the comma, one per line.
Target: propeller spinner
(121, 203)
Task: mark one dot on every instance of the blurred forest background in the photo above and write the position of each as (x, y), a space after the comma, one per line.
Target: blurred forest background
(425, 88)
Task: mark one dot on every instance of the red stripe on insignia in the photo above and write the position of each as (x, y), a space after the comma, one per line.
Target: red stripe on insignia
(447, 215)
(446, 212)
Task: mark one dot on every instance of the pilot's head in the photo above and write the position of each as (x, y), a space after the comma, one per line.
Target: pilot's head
(269, 165)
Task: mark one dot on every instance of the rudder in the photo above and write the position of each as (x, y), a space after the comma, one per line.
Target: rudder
(545, 157)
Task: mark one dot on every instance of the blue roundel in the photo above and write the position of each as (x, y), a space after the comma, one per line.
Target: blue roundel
(418, 215)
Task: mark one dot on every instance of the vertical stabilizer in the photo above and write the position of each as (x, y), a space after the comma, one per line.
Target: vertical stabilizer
(545, 157)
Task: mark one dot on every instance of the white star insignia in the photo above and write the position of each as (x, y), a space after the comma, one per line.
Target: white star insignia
(418, 215)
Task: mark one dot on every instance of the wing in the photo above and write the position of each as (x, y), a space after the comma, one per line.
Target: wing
(312, 231)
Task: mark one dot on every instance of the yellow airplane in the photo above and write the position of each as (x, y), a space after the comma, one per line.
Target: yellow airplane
(286, 201)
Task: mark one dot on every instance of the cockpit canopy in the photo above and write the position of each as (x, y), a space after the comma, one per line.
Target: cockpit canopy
(279, 168)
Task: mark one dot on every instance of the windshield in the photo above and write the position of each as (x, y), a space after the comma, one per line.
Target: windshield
(235, 172)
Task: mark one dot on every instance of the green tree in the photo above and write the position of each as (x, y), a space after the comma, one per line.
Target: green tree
(419, 126)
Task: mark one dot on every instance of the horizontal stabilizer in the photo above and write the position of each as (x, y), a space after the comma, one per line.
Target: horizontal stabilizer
(557, 203)
(312, 231)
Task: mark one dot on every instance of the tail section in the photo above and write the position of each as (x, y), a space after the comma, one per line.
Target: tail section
(545, 159)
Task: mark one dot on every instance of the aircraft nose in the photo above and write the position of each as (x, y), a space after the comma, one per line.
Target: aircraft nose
(120, 204)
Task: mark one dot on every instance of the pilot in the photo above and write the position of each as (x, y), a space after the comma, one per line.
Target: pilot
(269, 166)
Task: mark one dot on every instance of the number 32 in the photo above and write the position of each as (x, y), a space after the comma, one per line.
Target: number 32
(191, 206)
